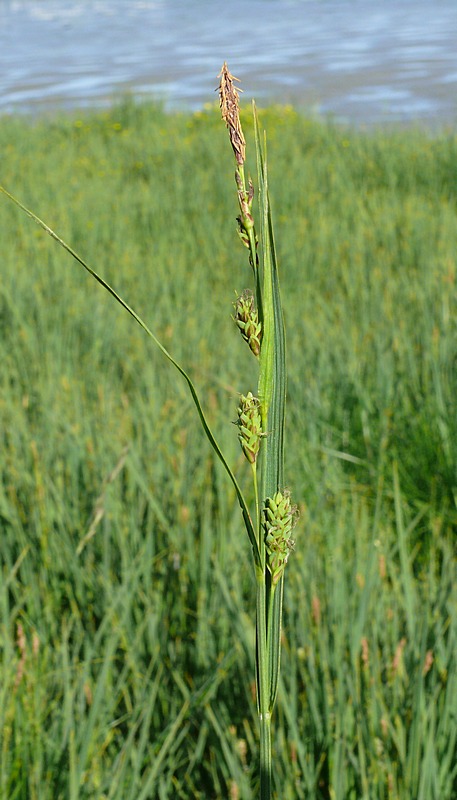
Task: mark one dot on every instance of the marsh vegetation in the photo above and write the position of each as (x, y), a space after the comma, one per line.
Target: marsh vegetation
(127, 638)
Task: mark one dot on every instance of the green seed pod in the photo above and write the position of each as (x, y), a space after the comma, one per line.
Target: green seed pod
(279, 519)
(250, 426)
(247, 319)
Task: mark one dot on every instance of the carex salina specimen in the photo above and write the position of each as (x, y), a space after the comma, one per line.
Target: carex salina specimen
(270, 518)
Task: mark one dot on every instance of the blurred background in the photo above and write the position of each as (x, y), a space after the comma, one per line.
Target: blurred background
(357, 60)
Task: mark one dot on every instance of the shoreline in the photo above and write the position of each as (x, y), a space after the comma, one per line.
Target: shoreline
(54, 111)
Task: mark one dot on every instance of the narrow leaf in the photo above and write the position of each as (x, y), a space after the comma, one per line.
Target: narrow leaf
(272, 393)
(206, 428)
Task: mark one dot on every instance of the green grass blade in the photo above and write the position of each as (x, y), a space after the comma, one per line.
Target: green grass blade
(272, 378)
(206, 428)
(272, 393)
(165, 749)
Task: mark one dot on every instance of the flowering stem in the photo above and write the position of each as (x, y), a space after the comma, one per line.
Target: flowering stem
(262, 418)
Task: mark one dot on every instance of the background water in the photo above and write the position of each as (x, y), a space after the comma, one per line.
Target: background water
(363, 61)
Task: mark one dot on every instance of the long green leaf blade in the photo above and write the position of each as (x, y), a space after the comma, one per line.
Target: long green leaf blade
(195, 398)
(272, 393)
(272, 379)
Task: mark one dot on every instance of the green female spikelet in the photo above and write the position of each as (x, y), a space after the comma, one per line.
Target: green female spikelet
(245, 219)
(279, 519)
(250, 425)
(247, 319)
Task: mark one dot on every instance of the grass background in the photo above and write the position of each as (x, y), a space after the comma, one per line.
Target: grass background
(126, 592)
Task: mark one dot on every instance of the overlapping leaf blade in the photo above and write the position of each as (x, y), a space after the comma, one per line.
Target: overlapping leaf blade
(272, 393)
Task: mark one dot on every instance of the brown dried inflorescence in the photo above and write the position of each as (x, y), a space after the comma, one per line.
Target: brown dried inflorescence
(230, 110)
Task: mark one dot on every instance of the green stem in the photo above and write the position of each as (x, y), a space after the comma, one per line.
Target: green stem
(263, 687)
(257, 513)
(263, 668)
(275, 595)
(265, 757)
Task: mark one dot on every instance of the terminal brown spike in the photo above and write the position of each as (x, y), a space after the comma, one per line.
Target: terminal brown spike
(230, 110)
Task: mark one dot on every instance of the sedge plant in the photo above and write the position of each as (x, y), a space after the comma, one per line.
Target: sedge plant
(258, 315)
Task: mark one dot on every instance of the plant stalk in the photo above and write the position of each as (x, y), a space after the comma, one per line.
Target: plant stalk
(263, 685)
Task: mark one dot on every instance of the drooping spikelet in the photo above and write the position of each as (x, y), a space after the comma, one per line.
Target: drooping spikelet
(247, 319)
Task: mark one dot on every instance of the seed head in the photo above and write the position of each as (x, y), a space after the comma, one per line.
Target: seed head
(250, 425)
(247, 319)
(280, 517)
(230, 110)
